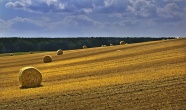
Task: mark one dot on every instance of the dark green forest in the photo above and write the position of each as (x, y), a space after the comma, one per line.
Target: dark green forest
(10, 45)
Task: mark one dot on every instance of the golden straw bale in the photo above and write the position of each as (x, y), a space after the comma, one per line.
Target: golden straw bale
(59, 52)
(84, 47)
(30, 77)
(122, 42)
(47, 59)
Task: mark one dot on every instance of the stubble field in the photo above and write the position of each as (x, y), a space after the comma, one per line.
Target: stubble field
(149, 75)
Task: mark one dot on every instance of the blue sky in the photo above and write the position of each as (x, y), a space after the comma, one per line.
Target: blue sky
(92, 18)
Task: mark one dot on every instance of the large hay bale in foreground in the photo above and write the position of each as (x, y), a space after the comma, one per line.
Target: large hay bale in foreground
(47, 59)
(30, 77)
(84, 47)
(59, 52)
(122, 42)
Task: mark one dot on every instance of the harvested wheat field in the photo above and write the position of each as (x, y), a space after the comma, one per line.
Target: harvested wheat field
(149, 75)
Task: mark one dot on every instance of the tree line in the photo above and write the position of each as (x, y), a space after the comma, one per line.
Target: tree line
(9, 45)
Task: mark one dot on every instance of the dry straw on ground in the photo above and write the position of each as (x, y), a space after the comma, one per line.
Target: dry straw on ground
(84, 47)
(30, 77)
(47, 59)
(59, 52)
(122, 42)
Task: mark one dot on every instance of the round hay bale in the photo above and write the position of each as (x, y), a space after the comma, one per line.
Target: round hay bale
(11, 54)
(84, 47)
(122, 42)
(30, 77)
(47, 59)
(111, 44)
(59, 52)
(31, 52)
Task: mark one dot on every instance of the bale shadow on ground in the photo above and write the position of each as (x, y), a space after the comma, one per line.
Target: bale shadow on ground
(22, 87)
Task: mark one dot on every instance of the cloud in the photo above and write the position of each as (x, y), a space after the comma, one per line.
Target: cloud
(171, 10)
(49, 2)
(94, 15)
(82, 20)
(172, 0)
(44, 6)
(50, 24)
(142, 8)
(25, 27)
(18, 20)
(16, 4)
(69, 6)
(108, 3)
(3, 25)
(76, 21)
(156, 11)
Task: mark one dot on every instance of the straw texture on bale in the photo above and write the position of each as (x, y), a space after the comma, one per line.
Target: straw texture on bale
(47, 59)
(59, 52)
(84, 47)
(30, 77)
(122, 42)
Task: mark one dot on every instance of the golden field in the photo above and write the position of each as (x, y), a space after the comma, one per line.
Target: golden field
(149, 75)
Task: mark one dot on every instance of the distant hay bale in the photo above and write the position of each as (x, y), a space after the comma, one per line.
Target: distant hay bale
(111, 44)
(103, 45)
(47, 59)
(31, 52)
(122, 42)
(11, 54)
(84, 47)
(30, 77)
(59, 52)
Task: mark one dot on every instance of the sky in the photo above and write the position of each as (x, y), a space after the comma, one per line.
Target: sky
(92, 18)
